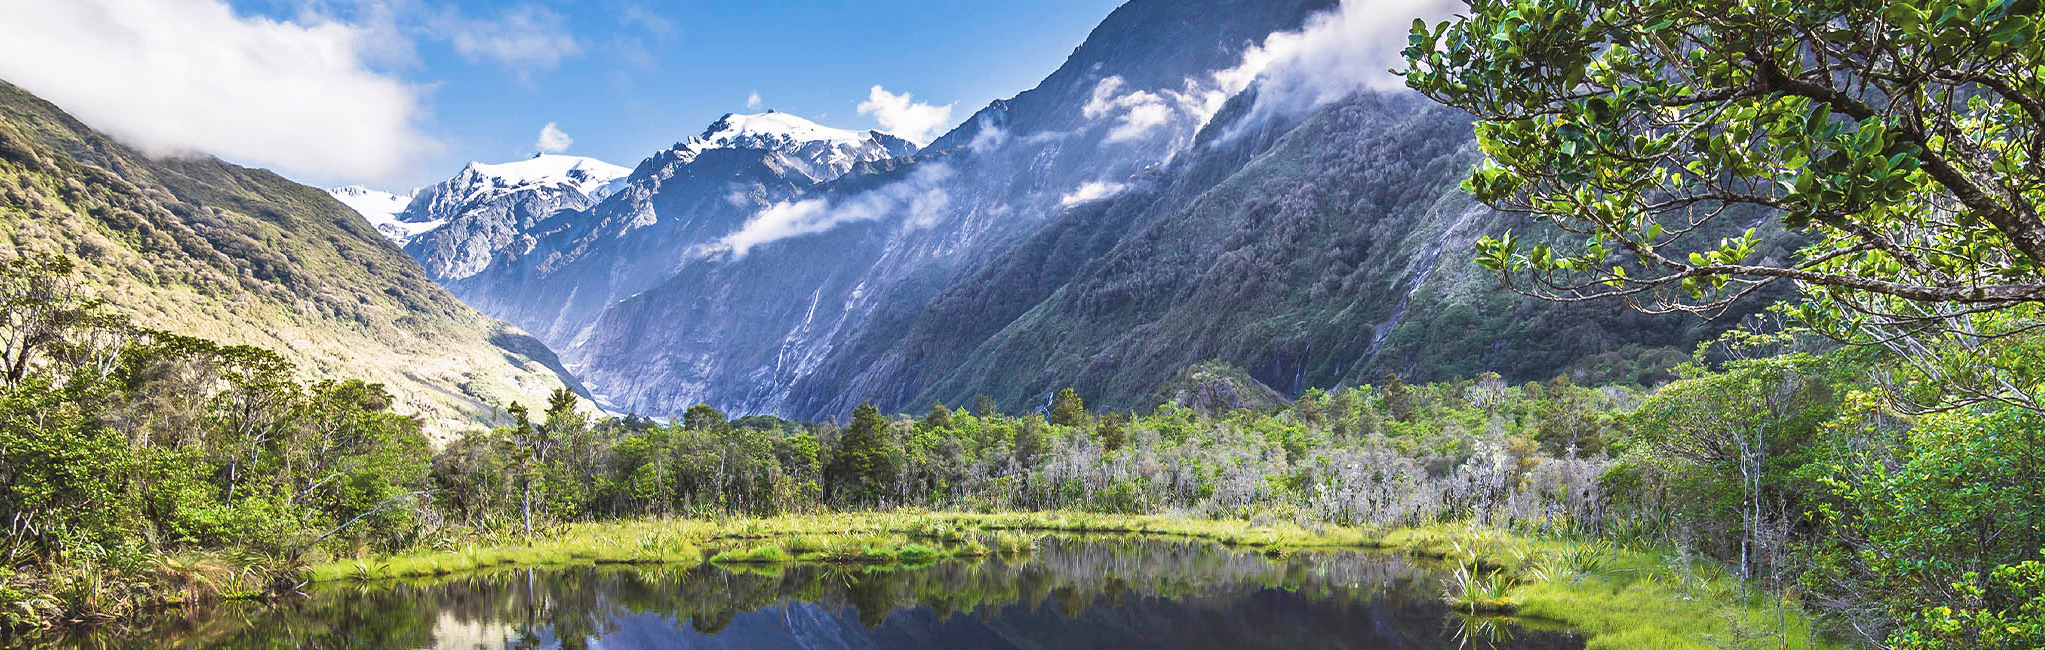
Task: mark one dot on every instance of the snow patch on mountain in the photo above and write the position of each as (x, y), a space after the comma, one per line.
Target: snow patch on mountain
(592, 177)
(822, 152)
(382, 209)
(489, 208)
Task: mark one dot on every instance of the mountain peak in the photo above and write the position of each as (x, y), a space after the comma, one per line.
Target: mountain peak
(589, 176)
(752, 131)
(823, 152)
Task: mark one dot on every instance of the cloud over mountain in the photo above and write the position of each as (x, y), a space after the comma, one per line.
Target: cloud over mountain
(918, 200)
(189, 75)
(902, 116)
(552, 140)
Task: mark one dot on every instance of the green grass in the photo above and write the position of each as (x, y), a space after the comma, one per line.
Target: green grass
(1622, 599)
(637, 542)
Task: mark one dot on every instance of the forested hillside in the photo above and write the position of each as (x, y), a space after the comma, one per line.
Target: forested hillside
(199, 247)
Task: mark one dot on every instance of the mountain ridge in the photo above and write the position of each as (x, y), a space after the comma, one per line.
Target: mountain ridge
(201, 247)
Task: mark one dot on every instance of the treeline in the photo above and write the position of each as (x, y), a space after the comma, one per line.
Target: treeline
(122, 448)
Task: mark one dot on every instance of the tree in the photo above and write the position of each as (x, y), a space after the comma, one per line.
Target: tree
(562, 418)
(39, 302)
(939, 417)
(528, 446)
(1067, 410)
(984, 406)
(1311, 407)
(1946, 529)
(1399, 400)
(1113, 431)
(1029, 440)
(1902, 143)
(1741, 420)
(1568, 425)
(1488, 392)
(864, 466)
(703, 417)
(254, 410)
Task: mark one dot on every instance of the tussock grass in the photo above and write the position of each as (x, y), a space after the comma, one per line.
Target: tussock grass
(1622, 599)
(1476, 591)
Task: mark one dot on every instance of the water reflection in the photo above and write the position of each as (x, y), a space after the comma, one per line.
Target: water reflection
(1072, 593)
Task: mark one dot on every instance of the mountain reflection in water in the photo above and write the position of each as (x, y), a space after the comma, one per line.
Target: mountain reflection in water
(1071, 593)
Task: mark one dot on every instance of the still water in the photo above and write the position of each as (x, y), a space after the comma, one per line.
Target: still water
(1071, 593)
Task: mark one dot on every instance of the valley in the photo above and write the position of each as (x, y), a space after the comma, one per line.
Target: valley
(1522, 324)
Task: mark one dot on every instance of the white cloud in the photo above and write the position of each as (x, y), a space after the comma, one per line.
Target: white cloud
(526, 38)
(553, 140)
(919, 200)
(1338, 52)
(989, 138)
(913, 121)
(753, 100)
(1091, 191)
(173, 76)
(1139, 111)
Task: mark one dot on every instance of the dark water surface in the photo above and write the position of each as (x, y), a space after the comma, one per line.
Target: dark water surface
(1071, 593)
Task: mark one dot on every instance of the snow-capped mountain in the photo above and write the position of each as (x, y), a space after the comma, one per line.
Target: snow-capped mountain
(487, 207)
(824, 153)
(545, 173)
(381, 209)
(635, 296)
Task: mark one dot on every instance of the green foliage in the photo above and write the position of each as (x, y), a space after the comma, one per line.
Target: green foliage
(1732, 440)
(1113, 431)
(2005, 611)
(1902, 153)
(939, 417)
(1948, 526)
(1397, 398)
(1067, 410)
(863, 469)
(120, 446)
(703, 417)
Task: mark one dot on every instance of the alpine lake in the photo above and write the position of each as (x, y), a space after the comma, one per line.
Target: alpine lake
(1071, 592)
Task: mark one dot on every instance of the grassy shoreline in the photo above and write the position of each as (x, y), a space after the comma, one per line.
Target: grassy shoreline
(1621, 599)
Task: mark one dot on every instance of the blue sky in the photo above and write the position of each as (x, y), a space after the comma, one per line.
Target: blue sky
(642, 75)
(395, 94)
(400, 93)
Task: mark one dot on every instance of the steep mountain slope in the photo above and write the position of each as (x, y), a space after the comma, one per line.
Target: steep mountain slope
(1137, 213)
(764, 318)
(201, 247)
(1336, 254)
